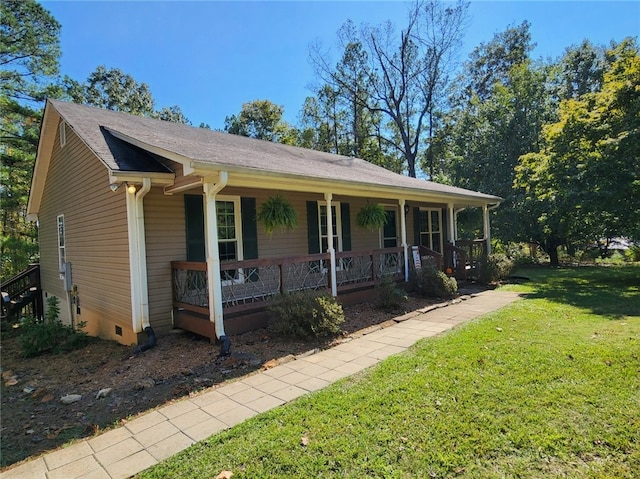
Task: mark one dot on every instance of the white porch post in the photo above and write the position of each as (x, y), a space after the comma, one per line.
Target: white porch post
(452, 224)
(403, 239)
(214, 281)
(487, 230)
(331, 250)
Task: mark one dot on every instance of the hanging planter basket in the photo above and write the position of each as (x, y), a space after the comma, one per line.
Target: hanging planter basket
(371, 216)
(277, 213)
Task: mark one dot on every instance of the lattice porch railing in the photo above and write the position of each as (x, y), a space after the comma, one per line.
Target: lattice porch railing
(248, 284)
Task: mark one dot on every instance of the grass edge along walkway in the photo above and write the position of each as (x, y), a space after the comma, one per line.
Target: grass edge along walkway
(541, 388)
(157, 435)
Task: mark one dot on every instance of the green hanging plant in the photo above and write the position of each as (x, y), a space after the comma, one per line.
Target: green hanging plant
(371, 216)
(277, 212)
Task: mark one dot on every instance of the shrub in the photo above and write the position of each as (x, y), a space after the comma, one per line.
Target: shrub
(50, 335)
(633, 253)
(431, 282)
(494, 268)
(390, 296)
(305, 315)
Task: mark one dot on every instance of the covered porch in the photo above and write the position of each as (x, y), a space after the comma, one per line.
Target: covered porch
(246, 286)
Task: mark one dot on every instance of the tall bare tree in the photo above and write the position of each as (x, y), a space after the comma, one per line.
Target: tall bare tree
(405, 73)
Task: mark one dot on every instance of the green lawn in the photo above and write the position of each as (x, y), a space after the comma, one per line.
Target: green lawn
(546, 387)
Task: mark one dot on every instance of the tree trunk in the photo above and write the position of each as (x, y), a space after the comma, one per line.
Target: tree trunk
(553, 256)
(551, 248)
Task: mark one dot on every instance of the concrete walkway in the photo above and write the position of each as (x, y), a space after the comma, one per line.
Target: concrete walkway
(165, 431)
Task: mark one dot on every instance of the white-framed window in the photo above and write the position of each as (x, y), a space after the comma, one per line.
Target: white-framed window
(63, 134)
(431, 228)
(229, 220)
(336, 221)
(61, 245)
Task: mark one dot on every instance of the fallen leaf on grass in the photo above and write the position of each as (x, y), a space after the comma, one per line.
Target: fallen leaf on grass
(304, 441)
(224, 475)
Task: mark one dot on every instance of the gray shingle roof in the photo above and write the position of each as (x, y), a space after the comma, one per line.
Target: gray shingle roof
(226, 150)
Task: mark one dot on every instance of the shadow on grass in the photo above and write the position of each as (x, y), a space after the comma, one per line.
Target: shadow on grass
(610, 291)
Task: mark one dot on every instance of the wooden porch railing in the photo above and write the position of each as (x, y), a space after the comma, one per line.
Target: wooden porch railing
(456, 259)
(247, 284)
(474, 250)
(462, 257)
(430, 257)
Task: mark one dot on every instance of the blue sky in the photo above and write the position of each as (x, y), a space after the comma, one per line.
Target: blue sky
(210, 57)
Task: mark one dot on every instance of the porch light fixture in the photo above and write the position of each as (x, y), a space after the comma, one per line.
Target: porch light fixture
(406, 209)
(131, 189)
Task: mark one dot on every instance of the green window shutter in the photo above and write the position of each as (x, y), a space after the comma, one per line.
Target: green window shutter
(313, 231)
(416, 225)
(346, 226)
(249, 228)
(194, 223)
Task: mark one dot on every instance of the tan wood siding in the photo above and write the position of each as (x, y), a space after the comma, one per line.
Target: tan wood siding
(165, 242)
(95, 219)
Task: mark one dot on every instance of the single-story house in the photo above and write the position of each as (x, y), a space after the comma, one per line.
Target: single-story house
(148, 225)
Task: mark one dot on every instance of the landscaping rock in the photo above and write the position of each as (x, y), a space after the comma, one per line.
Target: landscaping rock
(146, 383)
(70, 398)
(103, 393)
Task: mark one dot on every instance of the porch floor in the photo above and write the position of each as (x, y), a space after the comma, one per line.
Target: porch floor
(157, 435)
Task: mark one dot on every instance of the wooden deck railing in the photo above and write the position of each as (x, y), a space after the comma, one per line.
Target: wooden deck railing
(23, 291)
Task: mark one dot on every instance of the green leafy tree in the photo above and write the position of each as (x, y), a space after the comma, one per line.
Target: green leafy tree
(501, 102)
(261, 119)
(29, 54)
(323, 120)
(489, 64)
(112, 89)
(173, 114)
(584, 185)
(581, 71)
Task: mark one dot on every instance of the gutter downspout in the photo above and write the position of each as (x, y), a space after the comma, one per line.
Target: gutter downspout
(213, 258)
(134, 270)
(330, 249)
(403, 239)
(487, 230)
(452, 224)
(142, 253)
(138, 263)
(455, 222)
